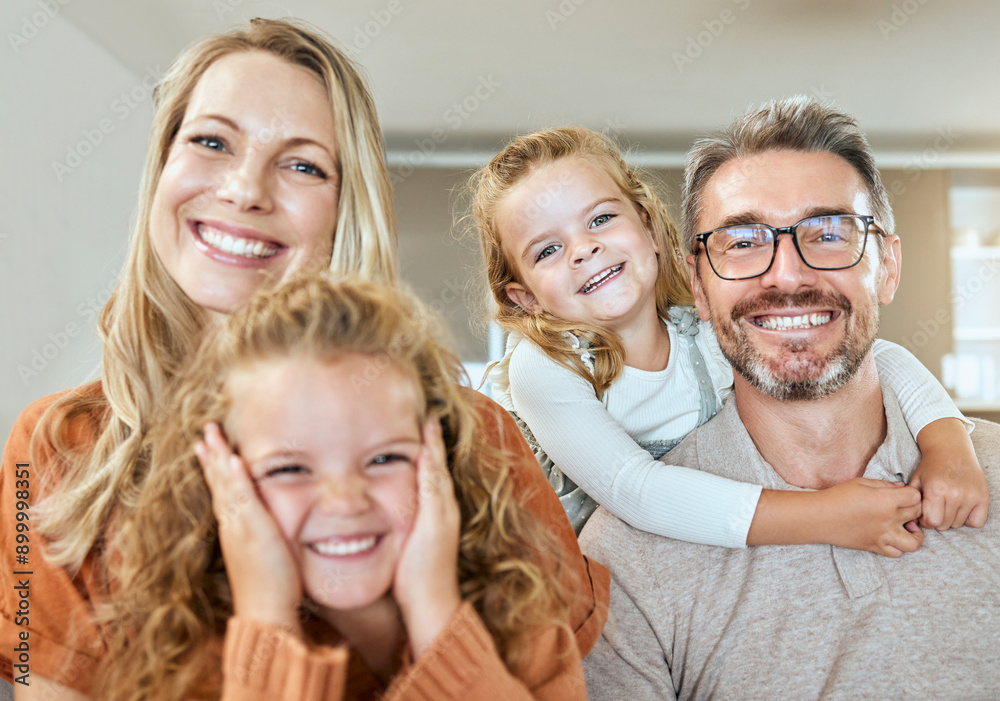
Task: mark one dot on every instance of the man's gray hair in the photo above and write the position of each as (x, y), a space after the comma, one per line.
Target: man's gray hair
(797, 123)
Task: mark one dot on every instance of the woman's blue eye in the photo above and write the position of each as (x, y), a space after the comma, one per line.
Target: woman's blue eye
(309, 169)
(547, 251)
(212, 142)
(601, 219)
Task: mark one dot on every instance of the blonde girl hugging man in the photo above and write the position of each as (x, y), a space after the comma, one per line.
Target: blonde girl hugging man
(607, 367)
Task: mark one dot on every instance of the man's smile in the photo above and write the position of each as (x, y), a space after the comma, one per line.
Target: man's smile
(793, 322)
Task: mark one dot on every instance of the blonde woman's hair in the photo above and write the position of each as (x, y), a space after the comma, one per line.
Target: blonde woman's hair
(488, 188)
(173, 598)
(150, 327)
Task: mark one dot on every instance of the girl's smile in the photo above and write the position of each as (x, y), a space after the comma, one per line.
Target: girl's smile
(601, 278)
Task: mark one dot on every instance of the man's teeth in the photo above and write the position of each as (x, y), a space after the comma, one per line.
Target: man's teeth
(601, 277)
(246, 248)
(806, 321)
(349, 547)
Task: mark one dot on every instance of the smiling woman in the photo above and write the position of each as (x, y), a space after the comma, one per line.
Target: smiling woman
(250, 187)
(265, 159)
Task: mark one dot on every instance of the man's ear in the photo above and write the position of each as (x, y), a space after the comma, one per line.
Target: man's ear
(519, 295)
(892, 261)
(700, 300)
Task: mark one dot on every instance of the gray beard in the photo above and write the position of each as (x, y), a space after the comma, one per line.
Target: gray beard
(798, 375)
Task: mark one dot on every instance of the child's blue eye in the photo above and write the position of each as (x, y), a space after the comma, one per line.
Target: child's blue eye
(547, 251)
(212, 142)
(601, 219)
(388, 459)
(286, 470)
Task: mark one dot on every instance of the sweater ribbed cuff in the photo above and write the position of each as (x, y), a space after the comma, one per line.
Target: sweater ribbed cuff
(461, 656)
(263, 661)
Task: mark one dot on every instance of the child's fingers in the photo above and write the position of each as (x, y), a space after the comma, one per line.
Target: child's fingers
(212, 456)
(907, 536)
(934, 512)
(433, 443)
(977, 517)
(904, 496)
(909, 512)
(908, 504)
(961, 516)
(951, 502)
(438, 515)
(911, 537)
(944, 508)
(433, 479)
(906, 539)
(913, 528)
(878, 484)
(935, 509)
(213, 453)
(227, 477)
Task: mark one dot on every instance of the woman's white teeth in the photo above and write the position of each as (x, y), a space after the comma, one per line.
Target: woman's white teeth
(805, 321)
(246, 248)
(601, 277)
(345, 547)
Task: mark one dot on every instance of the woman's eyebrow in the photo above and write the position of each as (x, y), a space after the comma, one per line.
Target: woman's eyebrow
(218, 118)
(306, 141)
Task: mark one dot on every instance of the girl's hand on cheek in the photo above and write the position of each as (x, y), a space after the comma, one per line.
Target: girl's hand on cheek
(263, 575)
(426, 582)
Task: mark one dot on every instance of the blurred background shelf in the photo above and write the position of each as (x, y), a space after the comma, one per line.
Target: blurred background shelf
(970, 371)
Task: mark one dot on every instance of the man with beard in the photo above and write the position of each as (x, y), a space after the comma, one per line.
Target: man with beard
(792, 250)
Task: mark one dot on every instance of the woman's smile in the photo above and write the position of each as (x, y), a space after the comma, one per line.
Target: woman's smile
(235, 246)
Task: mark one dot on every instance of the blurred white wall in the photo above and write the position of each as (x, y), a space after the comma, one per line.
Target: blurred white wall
(71, 162)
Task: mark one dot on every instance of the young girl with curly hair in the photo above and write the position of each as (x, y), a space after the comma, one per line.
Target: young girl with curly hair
(365, 538)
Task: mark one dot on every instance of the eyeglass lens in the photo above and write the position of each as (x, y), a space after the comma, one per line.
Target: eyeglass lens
(825, 243)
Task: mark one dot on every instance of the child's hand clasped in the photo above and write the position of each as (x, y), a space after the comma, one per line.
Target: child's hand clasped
(951, 482)
(873, 515)
(264, 578)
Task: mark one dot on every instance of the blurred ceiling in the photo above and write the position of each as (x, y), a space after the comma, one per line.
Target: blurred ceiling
(921, 75)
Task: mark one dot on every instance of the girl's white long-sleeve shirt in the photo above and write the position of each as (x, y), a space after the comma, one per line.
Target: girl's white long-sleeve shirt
(596, 442)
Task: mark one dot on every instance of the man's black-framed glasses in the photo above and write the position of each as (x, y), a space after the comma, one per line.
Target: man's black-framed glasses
(829, 242)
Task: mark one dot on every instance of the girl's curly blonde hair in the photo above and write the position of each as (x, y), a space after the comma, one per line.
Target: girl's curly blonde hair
(490, 185)
(172, 599)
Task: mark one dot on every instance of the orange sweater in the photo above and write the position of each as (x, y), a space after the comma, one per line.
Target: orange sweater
(264, 663)
(65, 646)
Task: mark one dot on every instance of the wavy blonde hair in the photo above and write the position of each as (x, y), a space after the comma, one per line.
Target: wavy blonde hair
(490, 185)
(173, 598)
(150, 328)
